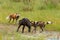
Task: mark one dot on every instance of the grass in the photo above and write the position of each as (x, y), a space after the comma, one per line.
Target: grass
(17, 36)
(49, 13)
(42, 15)
(8, 33)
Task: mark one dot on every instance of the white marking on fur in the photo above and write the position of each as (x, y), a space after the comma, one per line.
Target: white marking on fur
(45, 23)
(7, 17)
(49, 22)
(35, 22)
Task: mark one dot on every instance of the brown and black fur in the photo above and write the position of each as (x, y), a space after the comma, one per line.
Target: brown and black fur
(25, 22)
(40, 24)
(13, 17)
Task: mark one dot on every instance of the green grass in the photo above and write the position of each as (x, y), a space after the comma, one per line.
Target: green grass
(49, 13)
(19, 36)
(42, 15)
(9, 33)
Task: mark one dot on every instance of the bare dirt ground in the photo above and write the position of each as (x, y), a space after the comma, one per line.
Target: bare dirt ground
(9, 28)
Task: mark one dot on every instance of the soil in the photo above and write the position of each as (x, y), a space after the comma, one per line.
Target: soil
(10, 28)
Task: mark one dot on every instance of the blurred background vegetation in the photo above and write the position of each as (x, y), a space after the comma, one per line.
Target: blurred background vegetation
(35, 10)
(29, 5)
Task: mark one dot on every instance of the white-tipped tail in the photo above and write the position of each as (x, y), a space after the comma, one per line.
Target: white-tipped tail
(49, 22)
(7, 17)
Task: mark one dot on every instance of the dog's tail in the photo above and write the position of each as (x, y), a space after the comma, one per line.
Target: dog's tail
(7, 17)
